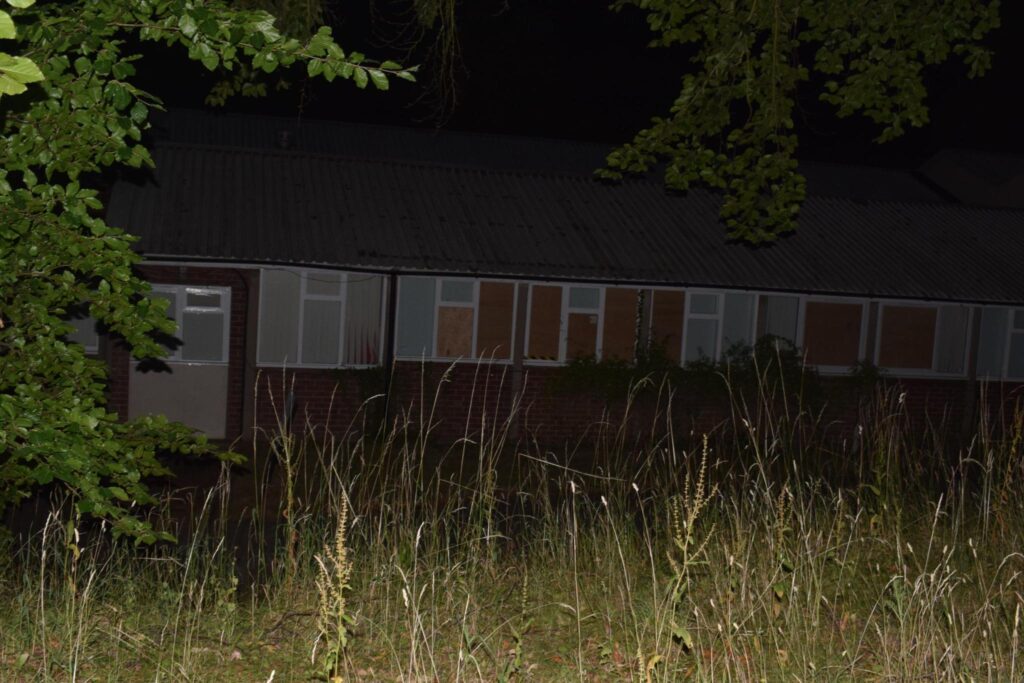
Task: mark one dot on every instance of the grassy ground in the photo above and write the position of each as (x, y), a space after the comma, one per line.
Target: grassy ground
(766, 552)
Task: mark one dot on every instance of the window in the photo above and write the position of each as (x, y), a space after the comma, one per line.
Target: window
(202, 315)
(584, 323)
(454, 318)
(1015, 359)
(85, 332)
(319, 318)
(703, 320)
(667, 309)
(619, 329)
(778, 316)
(833, 333)
(992, 345)
(543, 340)
(923, 338)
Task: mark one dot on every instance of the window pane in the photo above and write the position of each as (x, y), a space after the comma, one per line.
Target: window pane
(323, 283)
(457, 291)
(454, 332)
(1016, 364)
(738, 321)
(321, 331)
(907, 337)
(585, 297)
(952, 341)
(85, 333)
(362, 319)
(202, 335)
(202, 297)
(992, 342)
(704, 304)
(415, 332)
(777, 316)
(701, 338)
(1018, 319)
(279, 317)
(172, 312)
(545, 322)
(494, 326)
(832, 333)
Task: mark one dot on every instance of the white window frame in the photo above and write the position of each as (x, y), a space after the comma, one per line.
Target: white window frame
(1011, 331)
(931, 373)
(865, 305)
(475, 305)
(304, 275)
(563, 342)
(181, 292)
(688, 314)
(438, 303)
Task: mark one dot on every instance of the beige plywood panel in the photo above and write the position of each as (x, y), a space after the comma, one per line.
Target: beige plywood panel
(667, 310)
(545, 322)
(582, 337)
(832, 333)
(494, 327)
(454, 332)
(907, 337)
(619, 323)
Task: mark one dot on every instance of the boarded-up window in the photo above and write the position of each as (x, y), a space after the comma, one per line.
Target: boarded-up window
(454, 331)
(777, 316)
(620, 307)
(952, 333)
(545, 322)
(992, 342)
(832, 333)
(495, 320)
(416, 303)
(584, 315)
(667, 308)
(907, 337)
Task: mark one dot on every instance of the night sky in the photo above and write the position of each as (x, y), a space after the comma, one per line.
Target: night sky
(573, 69)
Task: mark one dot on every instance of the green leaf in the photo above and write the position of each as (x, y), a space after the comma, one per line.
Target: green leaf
(7, 29)
(15, 72)
(361, 77)
(21, 4)
(380, 81)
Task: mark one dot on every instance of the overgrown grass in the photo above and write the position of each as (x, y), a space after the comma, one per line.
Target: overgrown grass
(772, 549)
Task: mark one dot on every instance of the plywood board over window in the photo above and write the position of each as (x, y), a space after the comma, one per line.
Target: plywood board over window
(454, 332)
(907, 337)
(832, 333)
(620, 310)
(582, 337)
(667, 310)
(545, 322)
(495, 320)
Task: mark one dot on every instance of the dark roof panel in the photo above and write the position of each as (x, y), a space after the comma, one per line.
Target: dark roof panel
(265, 206)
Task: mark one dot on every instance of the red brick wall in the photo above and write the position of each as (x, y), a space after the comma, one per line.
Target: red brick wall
(479, 397)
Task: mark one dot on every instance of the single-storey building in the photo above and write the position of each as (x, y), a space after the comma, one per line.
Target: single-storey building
(296, 252)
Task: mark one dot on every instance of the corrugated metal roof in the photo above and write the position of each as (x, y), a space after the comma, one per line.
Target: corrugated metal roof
(484, 151)
(262, 206)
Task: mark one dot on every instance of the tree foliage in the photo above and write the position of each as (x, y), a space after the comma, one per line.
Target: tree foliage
(71, 111)
(731, 127)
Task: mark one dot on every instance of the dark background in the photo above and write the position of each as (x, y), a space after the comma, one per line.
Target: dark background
(574, 69)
